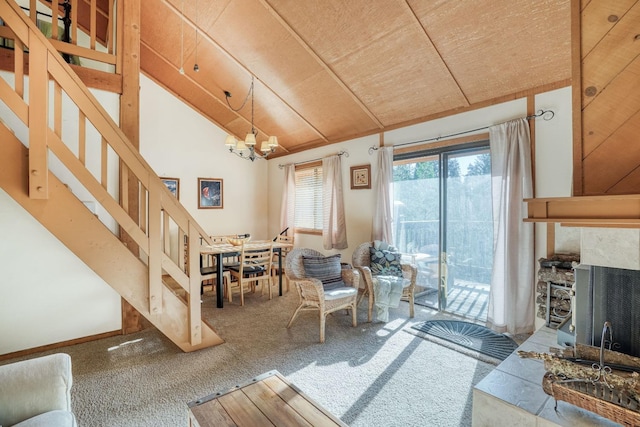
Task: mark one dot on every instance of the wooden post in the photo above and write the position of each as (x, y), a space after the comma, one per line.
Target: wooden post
(38, 121)
(128, 58)
(195, 281)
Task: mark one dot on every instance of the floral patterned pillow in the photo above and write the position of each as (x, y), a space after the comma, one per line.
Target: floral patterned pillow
(385, 263)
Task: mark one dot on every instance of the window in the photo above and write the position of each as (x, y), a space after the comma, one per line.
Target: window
(309, 199)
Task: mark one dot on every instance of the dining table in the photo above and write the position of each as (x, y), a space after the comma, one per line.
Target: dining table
(220, 250)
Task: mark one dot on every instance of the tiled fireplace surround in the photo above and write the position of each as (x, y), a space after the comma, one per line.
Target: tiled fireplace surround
(512, 395)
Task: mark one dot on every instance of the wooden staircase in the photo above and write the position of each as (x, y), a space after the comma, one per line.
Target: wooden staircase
(139, 278)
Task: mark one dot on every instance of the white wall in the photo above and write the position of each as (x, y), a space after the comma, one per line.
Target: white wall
(47, 295)
(554, 168)
(553, 148)
(358, 204)
(62, 299)
(179, 143)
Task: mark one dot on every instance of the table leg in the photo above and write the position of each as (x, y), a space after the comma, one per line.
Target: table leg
(279, 250)
(219, 284)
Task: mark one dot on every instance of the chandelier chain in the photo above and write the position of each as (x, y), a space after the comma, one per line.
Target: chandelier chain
(237, 147)
(250, 92)
(196, 31)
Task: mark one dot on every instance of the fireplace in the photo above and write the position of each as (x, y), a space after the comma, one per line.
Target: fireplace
(605, 294)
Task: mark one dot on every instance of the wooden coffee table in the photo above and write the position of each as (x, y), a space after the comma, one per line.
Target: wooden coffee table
(267, 400)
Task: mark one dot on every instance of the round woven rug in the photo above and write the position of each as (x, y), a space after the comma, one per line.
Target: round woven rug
(471, 336)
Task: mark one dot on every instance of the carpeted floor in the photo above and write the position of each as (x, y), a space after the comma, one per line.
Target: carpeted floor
(373, 375)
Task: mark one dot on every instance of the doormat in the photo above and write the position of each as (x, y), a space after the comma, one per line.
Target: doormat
(469, 338)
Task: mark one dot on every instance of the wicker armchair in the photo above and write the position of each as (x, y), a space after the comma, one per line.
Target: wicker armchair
(311, 291)
(361, 259)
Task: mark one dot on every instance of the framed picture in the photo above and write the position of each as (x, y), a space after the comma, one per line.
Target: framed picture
(173, 184)
(360, 177)
(210, 194)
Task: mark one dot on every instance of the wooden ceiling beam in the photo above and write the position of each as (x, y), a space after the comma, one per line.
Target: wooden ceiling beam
(165, 85)
(435, 48)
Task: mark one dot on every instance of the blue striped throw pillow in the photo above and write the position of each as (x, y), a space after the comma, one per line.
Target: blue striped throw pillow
(326, 269)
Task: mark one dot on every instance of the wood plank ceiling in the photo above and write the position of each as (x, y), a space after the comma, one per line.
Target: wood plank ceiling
(331, 70)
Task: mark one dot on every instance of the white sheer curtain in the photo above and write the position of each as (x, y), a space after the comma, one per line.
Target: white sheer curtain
(288, 208)
(511, 301)
(334, 229)
(382, 228)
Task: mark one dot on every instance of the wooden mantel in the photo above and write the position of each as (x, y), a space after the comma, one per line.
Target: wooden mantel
(616, 211)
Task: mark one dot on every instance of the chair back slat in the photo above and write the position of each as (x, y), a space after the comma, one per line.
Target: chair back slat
(255, 258)
(288, 240)
(254, 266)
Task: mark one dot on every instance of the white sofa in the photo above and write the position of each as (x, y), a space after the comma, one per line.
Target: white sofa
(37, 392)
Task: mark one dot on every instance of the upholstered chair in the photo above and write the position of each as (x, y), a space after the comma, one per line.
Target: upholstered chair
(37, 392)
(323, 284)
(388, 268)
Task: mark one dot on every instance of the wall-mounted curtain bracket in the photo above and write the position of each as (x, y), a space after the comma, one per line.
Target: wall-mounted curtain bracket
(340, 153)
(545, 114)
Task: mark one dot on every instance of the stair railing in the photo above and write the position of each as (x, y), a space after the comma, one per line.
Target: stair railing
(42, 113)
(80, 17)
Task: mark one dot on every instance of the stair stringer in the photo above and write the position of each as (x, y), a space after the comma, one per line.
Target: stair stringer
(67, 218)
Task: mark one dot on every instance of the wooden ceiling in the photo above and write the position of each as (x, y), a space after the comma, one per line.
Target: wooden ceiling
(331, 70)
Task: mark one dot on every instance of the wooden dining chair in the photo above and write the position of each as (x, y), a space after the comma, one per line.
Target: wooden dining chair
(208, 270)
(275, 271)
(209, 273)
(254, 269)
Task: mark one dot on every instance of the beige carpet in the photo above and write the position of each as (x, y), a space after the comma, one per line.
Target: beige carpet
(373, 375)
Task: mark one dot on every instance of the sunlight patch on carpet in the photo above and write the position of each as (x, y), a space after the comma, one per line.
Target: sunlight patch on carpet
(470, 336)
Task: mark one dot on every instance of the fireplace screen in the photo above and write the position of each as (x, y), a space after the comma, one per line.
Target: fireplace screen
(614, 296)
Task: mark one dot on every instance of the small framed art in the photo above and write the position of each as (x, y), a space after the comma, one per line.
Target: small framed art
(360, 177)
(173, 184)
(210, 195)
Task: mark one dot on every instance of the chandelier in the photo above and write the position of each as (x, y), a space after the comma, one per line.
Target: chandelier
(247, 148)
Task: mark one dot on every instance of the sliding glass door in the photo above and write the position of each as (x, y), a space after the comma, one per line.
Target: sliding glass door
(443, 224)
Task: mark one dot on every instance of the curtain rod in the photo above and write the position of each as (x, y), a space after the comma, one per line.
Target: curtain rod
(340, 153)
(545, 114)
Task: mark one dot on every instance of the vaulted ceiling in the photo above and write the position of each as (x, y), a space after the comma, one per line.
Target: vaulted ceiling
(330, 70)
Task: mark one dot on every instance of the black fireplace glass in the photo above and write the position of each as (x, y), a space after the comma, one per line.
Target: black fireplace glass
(615, 297)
